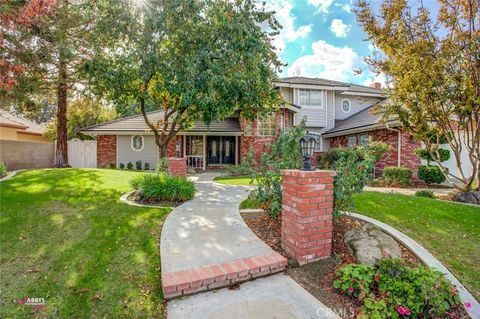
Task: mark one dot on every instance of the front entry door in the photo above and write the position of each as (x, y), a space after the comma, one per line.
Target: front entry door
(221, 149)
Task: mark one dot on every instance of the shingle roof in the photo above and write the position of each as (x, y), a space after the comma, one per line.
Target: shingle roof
(137, 123)
(325, 82)
(22, 123)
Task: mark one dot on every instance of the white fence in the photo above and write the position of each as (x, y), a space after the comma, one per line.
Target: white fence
(82, 153)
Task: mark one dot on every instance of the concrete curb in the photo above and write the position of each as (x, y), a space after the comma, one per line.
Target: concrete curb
(427, 258)
(10, 175)
(124, 199)
(251, 210)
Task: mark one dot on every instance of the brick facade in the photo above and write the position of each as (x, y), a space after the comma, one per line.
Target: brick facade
(407, 149)
(307, 214)
(106, 150)
(177, 166)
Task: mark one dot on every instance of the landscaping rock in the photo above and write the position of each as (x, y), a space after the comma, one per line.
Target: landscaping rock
(369, 244)
(138, 195)
(468, 197)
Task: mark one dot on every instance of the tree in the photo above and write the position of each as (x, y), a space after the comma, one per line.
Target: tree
(49, 51)
(433, 70)
(83, 112)
(193, 60)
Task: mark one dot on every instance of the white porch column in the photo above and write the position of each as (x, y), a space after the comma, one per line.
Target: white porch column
(184, 146)
(204, 152)
(236, 150)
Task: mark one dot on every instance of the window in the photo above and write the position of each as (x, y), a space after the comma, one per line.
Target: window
(351, 141)
(346, 106)
(363, 140)
(137, 143)
(266, 125)
(248, 127)
(312, 98)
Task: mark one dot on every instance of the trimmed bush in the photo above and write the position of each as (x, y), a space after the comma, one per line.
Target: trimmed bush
(425, 193)
(393, 175)
(3, 169)
(138, 165)
(161, 187)
(112, 165)
(162, 165)
(395, 288)
(423, 153)
(146, 166)
(122, 166)
(129, 165)
(431, 174)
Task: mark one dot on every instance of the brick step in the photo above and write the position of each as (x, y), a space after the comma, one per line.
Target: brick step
(190, 281)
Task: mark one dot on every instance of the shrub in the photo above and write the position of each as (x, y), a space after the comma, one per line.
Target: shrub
(3, 169)
(162, 165)
(246, 168)
(430, 174)
(394, 287)
(138, 165)
(442, 156)
(129, 165)
(112, 165)
(122, 166)
(146, 166)
(393, 175)
(425, 193)
(161, 187)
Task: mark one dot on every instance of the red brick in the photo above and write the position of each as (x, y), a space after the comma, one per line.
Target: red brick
(218, 272)
(241, 268)
(106, 150)
(230, 270)
(206, 275)
(181, 279)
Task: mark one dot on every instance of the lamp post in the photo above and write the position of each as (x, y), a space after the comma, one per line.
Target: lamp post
(307, 146)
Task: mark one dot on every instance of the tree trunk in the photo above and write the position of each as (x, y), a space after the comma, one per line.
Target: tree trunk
(61, 153)
(163, 149)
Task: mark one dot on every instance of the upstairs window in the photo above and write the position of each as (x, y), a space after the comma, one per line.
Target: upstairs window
(346, 106)
(310, 98)
(266, 125)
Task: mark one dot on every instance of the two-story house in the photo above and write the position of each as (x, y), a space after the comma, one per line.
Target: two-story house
(339, 114)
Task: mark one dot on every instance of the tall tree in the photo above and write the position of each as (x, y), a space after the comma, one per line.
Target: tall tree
(194, 60)
(49, 51)
(433, 66)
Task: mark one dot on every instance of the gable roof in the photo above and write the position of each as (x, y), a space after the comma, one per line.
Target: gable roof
(347, 87)
(365, 120)
(136, 123)
(24, 125)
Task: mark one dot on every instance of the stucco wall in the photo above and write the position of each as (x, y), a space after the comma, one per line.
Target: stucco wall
(23, 154)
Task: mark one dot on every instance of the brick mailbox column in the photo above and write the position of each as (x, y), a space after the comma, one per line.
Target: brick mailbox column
(177, 166)
(307, 214)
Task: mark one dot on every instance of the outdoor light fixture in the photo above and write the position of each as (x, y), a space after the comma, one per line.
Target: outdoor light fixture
(307, 145)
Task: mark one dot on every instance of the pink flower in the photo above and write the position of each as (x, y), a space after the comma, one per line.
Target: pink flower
(407, 312)
(270, 167)
(401, 310)
(350, 290)
(468, 305)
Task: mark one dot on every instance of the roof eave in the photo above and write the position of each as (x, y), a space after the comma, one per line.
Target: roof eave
(360, 129)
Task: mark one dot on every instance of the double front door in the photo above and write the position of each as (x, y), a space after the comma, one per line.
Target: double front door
(221, 149)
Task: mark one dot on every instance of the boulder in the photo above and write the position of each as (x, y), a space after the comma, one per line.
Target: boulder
(369, 244)
(138, 195)
(468, 197)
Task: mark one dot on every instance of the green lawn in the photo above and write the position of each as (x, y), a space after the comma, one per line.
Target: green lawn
(66, 237)
(234, 180)
(449, 231)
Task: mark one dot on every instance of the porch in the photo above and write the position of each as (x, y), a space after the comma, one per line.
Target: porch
(204, 151)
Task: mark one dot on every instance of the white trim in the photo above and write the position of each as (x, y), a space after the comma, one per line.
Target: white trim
(236, 150)
(363, 94)
(334, 108)
(143, 143)
(116, 138)
(312, 86)
(150, 133)
(349, 106)
(204, 152)
(184, 142)
(326, 108)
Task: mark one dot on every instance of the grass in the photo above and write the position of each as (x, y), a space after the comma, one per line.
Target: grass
(234, 180)
(66, 237)
(449, 231)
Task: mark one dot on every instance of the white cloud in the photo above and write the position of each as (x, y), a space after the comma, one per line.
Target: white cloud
(327, 61)
(322, 5)
(339, 28)
(345, 7)
(289, 33)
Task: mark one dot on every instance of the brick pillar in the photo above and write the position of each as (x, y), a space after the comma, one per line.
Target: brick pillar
(177, 166)
(307, 214)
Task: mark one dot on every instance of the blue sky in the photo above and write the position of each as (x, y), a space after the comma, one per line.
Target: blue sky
(321, 38)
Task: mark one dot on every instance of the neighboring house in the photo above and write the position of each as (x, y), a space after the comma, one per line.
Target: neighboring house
(339, 114)
(22, 144)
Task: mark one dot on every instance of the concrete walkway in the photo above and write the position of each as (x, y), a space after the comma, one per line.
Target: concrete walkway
(206, 235)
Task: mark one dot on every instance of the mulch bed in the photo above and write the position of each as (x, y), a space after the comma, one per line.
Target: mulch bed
(152, 202)
(317, 277)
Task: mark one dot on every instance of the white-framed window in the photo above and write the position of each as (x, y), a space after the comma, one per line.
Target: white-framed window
(363, 139)
(137, 143)
(310, 98)
(266, 125)
(351, 140)
(318, 141)
(346, 106)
